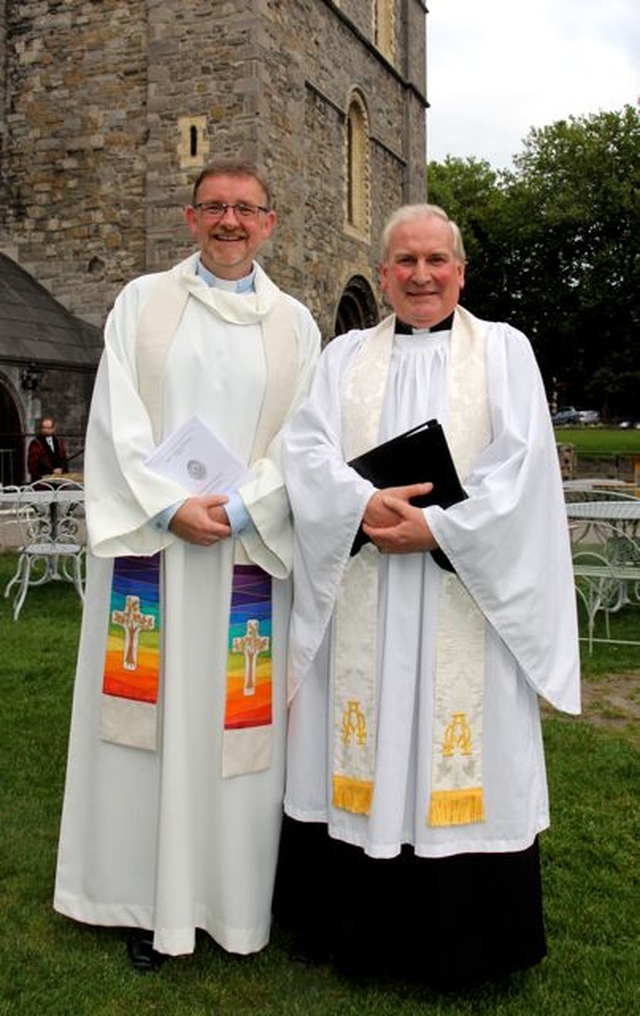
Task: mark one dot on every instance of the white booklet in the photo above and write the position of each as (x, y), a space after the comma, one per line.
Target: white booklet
(196, 459)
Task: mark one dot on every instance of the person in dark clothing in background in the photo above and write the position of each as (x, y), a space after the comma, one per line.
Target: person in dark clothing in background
(47, 454)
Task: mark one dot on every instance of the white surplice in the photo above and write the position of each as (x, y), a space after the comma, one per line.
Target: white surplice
(509, 545)
(159, 840)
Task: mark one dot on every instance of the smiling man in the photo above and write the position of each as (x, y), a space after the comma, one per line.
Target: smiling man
(422, 270)
(229, 219)
(416, 784)
(175, 776)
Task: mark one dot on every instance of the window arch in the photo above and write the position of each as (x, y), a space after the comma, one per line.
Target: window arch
(12, 460)
(357, 307)
(358, 167)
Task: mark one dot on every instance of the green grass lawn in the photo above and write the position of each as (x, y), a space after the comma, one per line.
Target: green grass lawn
(600, 440)
(52, 966)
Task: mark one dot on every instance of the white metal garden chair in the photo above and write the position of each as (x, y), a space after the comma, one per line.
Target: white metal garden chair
(50, 520)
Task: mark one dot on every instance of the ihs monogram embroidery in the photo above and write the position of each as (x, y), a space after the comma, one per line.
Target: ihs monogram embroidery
(354, 723)
(457, 735)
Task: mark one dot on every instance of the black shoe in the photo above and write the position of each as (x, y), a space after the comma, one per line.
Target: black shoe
(141, 952)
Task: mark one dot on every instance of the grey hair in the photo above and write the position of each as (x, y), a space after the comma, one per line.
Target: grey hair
(408, 212)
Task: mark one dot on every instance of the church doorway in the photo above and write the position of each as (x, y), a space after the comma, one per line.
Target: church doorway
(357, 307)
(11, 440)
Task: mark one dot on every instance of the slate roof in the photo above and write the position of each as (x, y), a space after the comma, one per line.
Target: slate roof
(35, 327)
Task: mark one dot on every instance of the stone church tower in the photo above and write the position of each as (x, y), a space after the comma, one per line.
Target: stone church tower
(109, 108)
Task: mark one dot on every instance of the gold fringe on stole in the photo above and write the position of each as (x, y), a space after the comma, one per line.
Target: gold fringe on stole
(456, 807)
(352, 795)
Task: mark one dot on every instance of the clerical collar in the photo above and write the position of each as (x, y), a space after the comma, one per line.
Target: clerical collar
(245, 285)
(402, 328)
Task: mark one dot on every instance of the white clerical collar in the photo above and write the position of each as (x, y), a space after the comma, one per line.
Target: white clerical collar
(245, 285)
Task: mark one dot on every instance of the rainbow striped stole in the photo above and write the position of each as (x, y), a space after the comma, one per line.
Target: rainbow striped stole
(131, 680)
(132, 658)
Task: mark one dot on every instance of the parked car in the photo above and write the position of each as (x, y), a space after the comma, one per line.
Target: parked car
(589, 416)
(565, 416)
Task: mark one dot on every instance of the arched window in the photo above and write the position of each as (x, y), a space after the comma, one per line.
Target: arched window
(357, 307)
(12, 453)
(383, 27)
(358, 167)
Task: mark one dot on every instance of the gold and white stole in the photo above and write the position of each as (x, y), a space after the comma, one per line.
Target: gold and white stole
(127, 718)
(456, 796)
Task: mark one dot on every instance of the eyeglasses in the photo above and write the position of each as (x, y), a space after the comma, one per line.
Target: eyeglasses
(216, 209)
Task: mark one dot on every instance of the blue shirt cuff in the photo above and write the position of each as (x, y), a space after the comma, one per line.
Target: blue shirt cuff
(162, 520)
(239, 518)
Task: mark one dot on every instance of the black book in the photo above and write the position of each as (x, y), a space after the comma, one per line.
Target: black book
(420, 455)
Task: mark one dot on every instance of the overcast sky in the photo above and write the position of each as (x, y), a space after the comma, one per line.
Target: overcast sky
(496, 68)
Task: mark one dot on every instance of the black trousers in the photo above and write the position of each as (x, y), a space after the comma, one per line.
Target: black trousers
(450, 922)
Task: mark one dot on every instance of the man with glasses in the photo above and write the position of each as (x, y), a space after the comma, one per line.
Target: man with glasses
(176, 762)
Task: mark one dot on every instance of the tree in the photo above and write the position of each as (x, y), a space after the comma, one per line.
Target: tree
(469, 189)
(557, 250)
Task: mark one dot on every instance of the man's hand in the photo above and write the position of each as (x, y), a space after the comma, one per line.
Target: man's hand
(202, 520)
(408, 532)
(378, 515)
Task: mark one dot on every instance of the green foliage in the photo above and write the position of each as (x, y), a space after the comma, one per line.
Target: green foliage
(468, 190)
(54, 967)
(555, 246)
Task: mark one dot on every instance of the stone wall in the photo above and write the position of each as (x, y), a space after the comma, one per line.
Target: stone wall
(568, 460)
(322, 256)
(3, 62)
(76, 88)
(111, 108)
